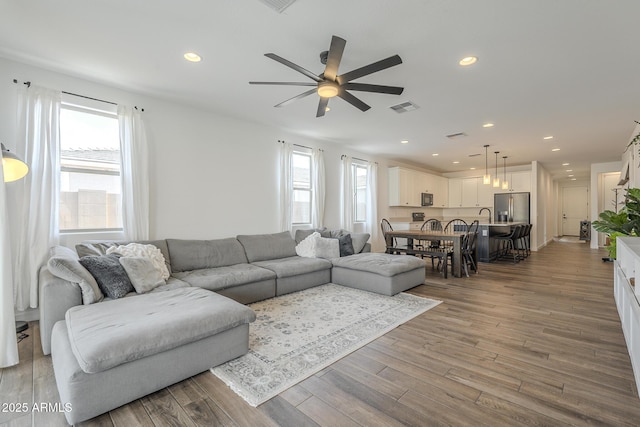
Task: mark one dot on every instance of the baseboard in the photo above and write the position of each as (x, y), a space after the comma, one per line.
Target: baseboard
(28, 315)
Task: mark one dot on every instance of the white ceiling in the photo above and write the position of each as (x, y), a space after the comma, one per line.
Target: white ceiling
(567, 68)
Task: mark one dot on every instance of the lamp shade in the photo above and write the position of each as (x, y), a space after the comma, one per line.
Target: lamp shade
(13, 167)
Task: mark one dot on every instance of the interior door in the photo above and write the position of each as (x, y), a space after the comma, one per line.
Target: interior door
(575, 208)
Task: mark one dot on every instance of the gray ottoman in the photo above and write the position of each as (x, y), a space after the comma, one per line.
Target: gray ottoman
(381, 273)
(110, 353)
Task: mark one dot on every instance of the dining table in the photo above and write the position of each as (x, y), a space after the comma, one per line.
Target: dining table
(430, 235)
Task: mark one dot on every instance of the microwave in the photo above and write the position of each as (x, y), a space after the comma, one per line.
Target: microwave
(427, 199)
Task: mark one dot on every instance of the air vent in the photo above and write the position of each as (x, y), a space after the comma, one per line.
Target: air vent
(404, 107)
(456, 135)
(278, 5)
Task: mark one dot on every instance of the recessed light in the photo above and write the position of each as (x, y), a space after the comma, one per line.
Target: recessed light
(573, 179)
(555, 149)
(404, 141)
(488, 125)
(472, 169)
(455, 162)
(569, 170)
(548, 137)
(565, 164)
(192, 57)
(571, 175)
(468, 60)
(435, 154)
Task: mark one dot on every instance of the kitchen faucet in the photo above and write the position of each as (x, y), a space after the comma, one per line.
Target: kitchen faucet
(489, 213)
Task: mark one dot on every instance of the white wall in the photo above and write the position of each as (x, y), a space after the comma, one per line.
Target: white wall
(544, 205)
(211, 176)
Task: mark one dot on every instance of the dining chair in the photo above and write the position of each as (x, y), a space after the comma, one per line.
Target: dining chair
(385, 225)
(469, 250)
(425, 246)
(456, 224)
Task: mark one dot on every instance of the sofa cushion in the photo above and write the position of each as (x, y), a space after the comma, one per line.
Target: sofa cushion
(303, 234)
(229, 276)
(110, 275)
(294, 266)
(314, 246)
(143, 273)
(346, 247)
(103, 336)
(359, 240)
(381, 264)
(187, 255)
(64, 263)
(261, 247)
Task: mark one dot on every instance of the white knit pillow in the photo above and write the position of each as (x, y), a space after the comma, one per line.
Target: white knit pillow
(327, 248)
(307, 247)
(144, 251)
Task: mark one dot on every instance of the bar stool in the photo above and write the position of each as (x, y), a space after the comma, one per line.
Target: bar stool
(506, 244)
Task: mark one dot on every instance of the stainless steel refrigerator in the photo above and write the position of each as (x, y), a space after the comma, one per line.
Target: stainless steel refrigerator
(511, 207)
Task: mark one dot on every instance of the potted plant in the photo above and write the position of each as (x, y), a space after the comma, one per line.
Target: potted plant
(625, 222)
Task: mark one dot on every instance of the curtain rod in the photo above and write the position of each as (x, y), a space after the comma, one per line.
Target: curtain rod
(355, 158)
(298, 145)
(28, 84)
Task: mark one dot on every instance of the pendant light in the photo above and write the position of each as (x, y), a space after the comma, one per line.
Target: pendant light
(505, 183)
(14, 168)
(496, 180)
(486, 179)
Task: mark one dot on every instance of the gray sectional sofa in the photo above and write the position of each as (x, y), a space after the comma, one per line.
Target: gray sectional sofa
(238, 270)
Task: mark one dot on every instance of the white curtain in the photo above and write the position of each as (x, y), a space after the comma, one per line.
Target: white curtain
(286, 185)
(346, 194)
(371, 226)
(34, 213)
(318, 185)
(8, 342)
(134, 156)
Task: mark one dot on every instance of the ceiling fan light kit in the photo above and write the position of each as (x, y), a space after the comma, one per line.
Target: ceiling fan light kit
(329, 84)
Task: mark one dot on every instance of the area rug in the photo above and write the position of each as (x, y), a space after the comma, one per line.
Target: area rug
(299, 334)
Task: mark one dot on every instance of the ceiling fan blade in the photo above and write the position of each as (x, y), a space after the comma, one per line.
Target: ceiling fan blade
(364, 87)
(322, 106)
(295, 98)
(284, 83)
(369, 69)
(334, 57)
(293, 66)
(353, 100)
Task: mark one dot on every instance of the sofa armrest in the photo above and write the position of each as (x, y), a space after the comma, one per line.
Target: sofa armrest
(56, 297)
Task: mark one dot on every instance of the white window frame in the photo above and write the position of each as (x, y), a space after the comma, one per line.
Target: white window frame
(306, 153)
(89, 106)
(354, 170)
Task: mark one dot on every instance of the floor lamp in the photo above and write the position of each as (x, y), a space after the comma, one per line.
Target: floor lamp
(14, 169)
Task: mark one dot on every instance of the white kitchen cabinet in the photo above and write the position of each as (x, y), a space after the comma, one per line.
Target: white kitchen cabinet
(404, 187)
(519, 181)
(469, 193)
(626, 292)
(455, 192)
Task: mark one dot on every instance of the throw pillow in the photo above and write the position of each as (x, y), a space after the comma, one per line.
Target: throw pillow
(307, 247)
(144, 251)
(327, 248)
(143, 273)
(110, 275)
(346, 246)
(70, 269)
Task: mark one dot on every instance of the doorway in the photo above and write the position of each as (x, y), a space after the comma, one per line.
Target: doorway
(575, 208)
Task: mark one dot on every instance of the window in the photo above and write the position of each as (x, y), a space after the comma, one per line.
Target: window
(360, 193)
(90, 191)
(302, 189)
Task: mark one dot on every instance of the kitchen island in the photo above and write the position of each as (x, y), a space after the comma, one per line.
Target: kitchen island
(487, 245)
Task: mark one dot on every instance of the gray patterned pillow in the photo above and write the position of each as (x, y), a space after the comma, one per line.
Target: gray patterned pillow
(110, 275)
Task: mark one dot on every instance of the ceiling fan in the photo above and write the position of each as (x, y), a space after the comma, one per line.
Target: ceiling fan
(329, 84)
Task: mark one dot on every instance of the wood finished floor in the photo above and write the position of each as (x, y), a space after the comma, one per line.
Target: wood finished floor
(536, 343)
